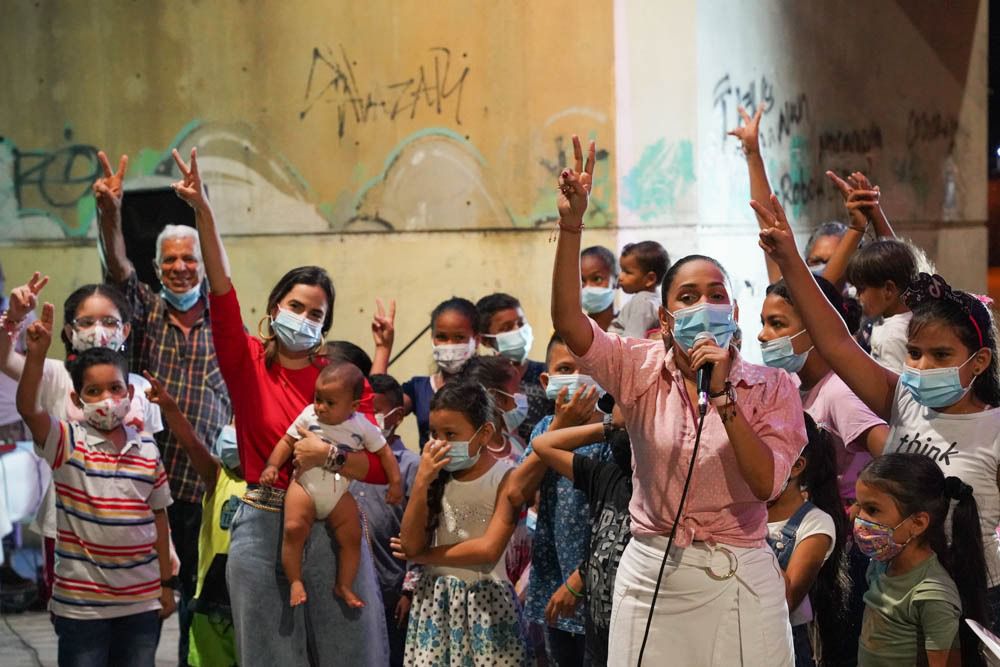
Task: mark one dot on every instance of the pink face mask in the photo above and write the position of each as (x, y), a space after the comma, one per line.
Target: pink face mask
(875, 540)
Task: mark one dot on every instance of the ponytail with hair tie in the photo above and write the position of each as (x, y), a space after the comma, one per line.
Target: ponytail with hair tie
(956, 489)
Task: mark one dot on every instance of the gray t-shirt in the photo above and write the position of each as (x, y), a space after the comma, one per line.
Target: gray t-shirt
(908, 614)
(639, 315)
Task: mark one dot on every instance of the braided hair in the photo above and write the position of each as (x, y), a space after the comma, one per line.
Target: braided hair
(472, 401)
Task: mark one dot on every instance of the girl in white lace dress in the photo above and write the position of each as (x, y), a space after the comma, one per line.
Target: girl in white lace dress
(458, 522)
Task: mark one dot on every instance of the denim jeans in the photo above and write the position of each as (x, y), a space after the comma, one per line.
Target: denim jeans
(126, 641)
(323, 631)
(803, 648)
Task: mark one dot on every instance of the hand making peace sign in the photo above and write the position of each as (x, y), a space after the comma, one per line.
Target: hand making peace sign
(108, 188)
(190, 188)
(575, 184)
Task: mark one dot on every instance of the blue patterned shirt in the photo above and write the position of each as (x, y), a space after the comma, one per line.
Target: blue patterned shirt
(560, 541)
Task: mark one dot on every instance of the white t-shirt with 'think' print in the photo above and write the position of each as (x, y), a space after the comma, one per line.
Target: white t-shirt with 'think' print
(964, 446)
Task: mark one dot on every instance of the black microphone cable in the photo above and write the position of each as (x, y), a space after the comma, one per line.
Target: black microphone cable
(670, 540)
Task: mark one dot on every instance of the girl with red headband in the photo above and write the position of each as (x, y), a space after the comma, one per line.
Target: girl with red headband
(944, 403)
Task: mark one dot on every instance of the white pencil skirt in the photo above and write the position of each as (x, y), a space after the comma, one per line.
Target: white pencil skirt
(702, 617)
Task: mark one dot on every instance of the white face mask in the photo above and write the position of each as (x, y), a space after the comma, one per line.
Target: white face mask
(451, 358)
(98, 336)
(380, 420)
(107, 414)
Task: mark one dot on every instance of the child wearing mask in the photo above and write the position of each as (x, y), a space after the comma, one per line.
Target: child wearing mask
(882, 272)
(607, 486)
(921, 583)
(212, 642)
(94, 316)
(113, 572)
(643, 266)
(312, 496)
(504, 327)
(599, 273)
(559, 543)
(457, 524)
(384, 520)
(944, 404)
(808, 537)
(454, 340)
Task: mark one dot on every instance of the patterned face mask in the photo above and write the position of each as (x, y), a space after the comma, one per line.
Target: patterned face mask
(106, 415)
(875, 539)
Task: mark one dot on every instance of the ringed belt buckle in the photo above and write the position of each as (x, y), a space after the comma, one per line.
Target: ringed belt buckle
(733, 563)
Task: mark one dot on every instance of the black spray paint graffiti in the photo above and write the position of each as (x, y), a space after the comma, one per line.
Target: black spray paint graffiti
(333, 79)
(859, 141)
(60, 177)
(728, 97)
(925, 127)
(562, 159)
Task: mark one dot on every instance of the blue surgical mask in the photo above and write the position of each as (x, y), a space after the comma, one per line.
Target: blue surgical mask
(714, 318)
(596, 299)
(818, 269)
(572, 383)
(514, 417)
(225, 447)
(296, 333)
(779, 353)
(935, 387)
(183, 301)
(459, 454)
(514, 345)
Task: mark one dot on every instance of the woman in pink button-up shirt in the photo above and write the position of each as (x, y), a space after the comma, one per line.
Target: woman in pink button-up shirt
(722, 597)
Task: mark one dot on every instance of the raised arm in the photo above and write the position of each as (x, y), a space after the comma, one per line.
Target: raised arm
(39, 337)
(206, 465)
(555, 448)
(873, 208)
(384, 334)
(760, 188)
(191, 189)
(22, 302)
(108, 197)
(872, 383)
(413, 535)
(483, 550)
(527, 477)
(568, 318)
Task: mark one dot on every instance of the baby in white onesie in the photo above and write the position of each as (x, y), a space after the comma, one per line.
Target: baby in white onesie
(320, 495)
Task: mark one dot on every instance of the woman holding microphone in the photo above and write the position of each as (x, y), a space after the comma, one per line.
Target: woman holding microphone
(700, 483)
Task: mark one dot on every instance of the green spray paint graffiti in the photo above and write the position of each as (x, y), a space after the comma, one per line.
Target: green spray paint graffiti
(663, 174)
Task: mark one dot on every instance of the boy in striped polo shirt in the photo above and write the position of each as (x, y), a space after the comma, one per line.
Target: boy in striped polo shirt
(112, 548)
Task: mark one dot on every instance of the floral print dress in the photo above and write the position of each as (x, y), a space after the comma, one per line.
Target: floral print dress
(467, 616)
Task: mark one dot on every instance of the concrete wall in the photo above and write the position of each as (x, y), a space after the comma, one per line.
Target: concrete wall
(412, 149)
(897, 90)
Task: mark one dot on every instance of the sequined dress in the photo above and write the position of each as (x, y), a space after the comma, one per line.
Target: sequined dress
(467, 615)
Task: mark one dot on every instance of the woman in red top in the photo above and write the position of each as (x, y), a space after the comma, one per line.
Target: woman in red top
(271, 379)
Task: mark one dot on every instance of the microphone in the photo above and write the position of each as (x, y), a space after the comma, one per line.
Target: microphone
(704, 375)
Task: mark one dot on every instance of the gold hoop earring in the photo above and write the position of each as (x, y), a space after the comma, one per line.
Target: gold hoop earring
(260, 333)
